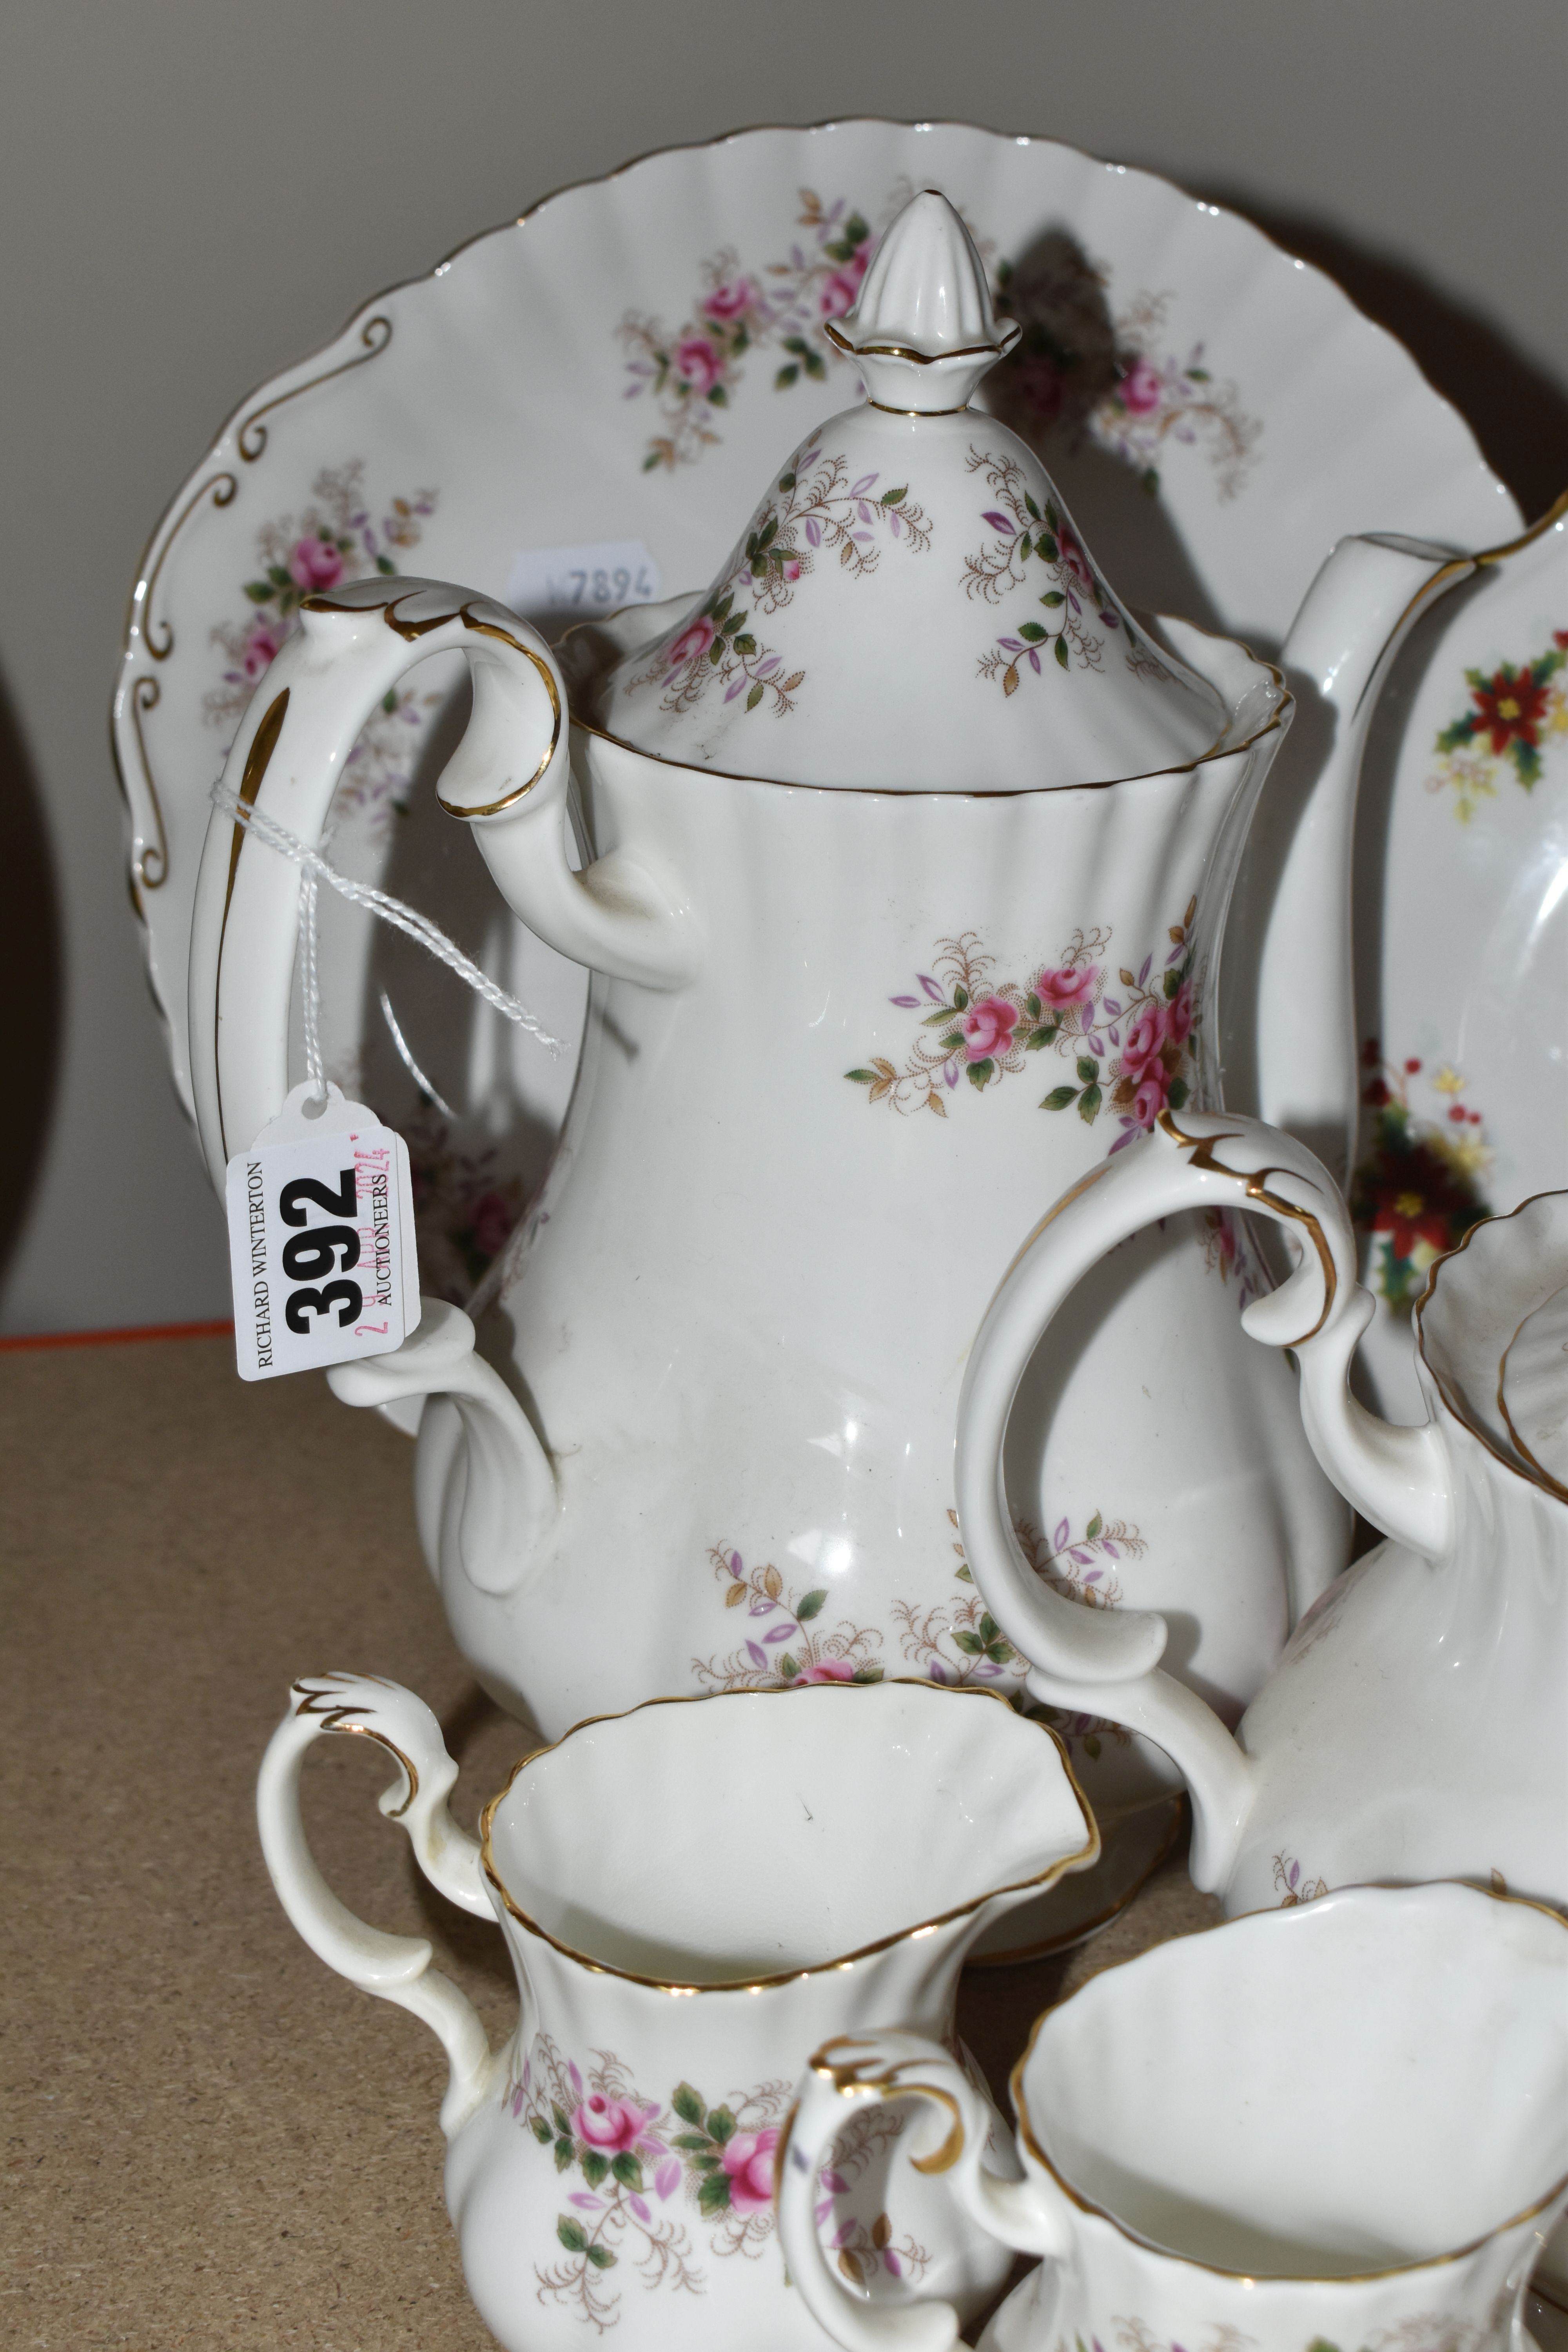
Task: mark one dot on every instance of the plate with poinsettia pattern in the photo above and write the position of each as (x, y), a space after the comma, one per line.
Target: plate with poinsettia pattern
(1465, 1047)
(576, 410)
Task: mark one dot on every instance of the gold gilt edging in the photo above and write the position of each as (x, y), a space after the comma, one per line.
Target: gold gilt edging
(853, 2078)
(1528, 1467)
(1042, 1880)
(374, 336)
(412, 631)
(224, 487)
(318, 1698)
(146, 695)
(1218, 2270)
(1203, 1150)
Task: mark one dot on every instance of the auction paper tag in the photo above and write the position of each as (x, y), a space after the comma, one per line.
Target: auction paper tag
(320, 1239)
(584, 580)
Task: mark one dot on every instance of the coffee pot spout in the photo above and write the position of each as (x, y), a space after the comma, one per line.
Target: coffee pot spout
(1356, 615)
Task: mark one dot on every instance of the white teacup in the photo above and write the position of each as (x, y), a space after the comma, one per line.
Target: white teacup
(692, 1894)
(1344, 2125)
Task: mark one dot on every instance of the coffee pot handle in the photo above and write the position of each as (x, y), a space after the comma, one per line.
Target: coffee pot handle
(508, 779)
(1031, 2214)
(1105, 1661)
(393, 1968)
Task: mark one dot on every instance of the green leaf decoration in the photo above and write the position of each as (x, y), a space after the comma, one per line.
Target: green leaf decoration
(786, 377)
(862, 1077)
(1093, 1528)
(1053, 596)
(1033, 1004)
(970, 1643)
(688, 2103)
(564, 2152)
(795, 343)
(952, 1042)
(601, 2257)
(1178, 1093)
(257, 591)
(627, 2168)
(868, 1674)
(812, 1605)
(935, 1020)
(1172, 981)
(1033, 508)
(999, 1651)
(814, 365)
(651, 460)
(963, 1574)
(1032, 632)
(786, 482)
(1048, 548)
(720, 2124)
(714, 2197)
(596, 2163)
(745, 642)
(893, 498)
(719, 396)
(560, 2123)
(1052, 516)
(754, 697)
(279, 577)
(721, 608)
(1037, 1038)
(1201, 376)
(385, 563)
(769, 533)
(711, 2161)
(1088, 1105)
(1025, 547)
(572, 2234)
(1059, 1098)
(789, 1666)
(1062, 651)
(1087, 1069)
(693, 2143)
(1151, 481)
(961, 1000)
(989, 1629)
(541, 2130)
(979, 1072)
(717, 650)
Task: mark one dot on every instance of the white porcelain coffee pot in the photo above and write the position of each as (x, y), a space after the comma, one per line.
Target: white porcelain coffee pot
(906, 852)
(1416, 1728)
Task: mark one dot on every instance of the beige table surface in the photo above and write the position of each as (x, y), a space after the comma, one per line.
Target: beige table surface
(211, 2141)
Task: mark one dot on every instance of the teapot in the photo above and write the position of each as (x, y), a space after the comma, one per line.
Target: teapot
(901, 859)
(1414, 1727)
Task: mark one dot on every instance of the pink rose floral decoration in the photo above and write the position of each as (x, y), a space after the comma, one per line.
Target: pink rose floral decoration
(988, 1028)
(1140, 389)
(315, 563)
(612, 2125)
(692, 643)
(731, 300)
(748, 2161)
(264, 641)
(1068, 984)
(1145, 1038)
(826, 1670)
(1070, 551)
(699, 362)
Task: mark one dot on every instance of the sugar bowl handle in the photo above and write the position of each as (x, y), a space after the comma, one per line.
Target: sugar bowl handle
(1030, 2215)
(393, 1968)
(1105, 1661)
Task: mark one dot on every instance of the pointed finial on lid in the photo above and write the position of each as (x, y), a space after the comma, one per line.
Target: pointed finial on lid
(923, 332)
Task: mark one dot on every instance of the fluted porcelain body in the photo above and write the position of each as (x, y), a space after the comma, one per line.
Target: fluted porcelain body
(738, 1313)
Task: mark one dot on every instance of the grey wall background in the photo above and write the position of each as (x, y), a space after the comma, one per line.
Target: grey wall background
(194, 193)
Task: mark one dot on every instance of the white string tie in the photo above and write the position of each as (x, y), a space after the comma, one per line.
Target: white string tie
(315, 870)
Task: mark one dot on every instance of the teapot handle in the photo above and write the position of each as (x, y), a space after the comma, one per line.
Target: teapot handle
(1031, 2215)
(1106, 1661)
(395, 1967)
(509, 778)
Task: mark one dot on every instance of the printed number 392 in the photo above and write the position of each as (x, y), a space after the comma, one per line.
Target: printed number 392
(321, 1249)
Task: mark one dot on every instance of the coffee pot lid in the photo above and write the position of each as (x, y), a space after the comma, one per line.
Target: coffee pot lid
(910, 608)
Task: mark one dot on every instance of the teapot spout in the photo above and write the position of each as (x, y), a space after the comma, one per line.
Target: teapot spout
(1356, 615)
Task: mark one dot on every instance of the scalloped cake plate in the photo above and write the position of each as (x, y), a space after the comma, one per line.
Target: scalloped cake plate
(611, 375)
